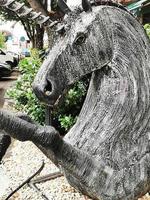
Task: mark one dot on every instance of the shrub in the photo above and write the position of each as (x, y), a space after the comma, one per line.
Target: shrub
(65, 115)
(147, 28)
(2, 41)
(25, 100)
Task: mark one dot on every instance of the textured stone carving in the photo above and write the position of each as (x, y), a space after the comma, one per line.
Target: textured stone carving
(106, 155)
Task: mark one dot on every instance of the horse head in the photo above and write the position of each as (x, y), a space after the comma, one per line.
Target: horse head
(83, 46)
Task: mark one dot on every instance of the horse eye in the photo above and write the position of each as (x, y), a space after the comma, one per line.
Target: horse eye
(80, 39)
(61, 30)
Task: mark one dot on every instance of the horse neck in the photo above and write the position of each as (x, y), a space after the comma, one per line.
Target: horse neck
(118, 97)
(127, 77)
(131, 47)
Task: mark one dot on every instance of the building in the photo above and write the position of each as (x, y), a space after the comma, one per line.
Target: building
(16, 37)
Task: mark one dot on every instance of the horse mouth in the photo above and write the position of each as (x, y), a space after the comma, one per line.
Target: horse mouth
(49, 96)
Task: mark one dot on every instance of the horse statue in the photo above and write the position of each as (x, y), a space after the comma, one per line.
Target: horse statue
(106, 154)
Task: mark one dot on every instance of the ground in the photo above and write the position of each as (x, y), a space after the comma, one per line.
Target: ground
(21, 161)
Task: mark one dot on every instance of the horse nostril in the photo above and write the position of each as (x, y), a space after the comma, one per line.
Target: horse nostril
(48, 89)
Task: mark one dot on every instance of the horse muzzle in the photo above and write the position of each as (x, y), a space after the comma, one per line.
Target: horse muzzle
(47, 91)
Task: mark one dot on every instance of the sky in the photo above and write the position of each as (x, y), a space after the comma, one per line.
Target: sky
(73, 2)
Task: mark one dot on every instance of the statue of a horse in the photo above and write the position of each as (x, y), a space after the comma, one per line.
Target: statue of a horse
(106, 154)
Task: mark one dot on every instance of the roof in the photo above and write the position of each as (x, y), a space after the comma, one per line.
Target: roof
(142, 6)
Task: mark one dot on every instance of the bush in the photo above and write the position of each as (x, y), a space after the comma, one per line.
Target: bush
(2, 41)
(147, 28)
(25, 100)
(64, 117)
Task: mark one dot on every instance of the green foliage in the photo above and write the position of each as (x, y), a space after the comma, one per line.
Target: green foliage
(2, 41)
(25, 100)
(67, 121)
(147, 28)
(65, 116)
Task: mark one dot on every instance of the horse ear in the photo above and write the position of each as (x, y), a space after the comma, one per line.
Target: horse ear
(86, 5)
(63, 6)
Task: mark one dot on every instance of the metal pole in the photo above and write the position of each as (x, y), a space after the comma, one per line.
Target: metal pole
(48, 115)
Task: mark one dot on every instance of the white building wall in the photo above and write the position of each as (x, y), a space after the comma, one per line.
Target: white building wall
(17, 31)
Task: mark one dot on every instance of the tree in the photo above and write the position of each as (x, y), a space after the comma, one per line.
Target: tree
(39, 6)
(34, 31)
(55, 14)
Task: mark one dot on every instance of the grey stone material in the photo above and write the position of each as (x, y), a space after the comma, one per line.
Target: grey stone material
(106, 155)
(5, 141)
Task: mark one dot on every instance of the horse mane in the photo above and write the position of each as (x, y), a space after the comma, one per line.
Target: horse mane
(75, 14)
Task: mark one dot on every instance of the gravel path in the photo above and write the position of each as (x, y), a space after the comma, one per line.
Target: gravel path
(21, 161)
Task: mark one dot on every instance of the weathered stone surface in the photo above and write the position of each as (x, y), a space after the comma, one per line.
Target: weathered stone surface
(113, 126)
(106, 155)
(5, 140)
